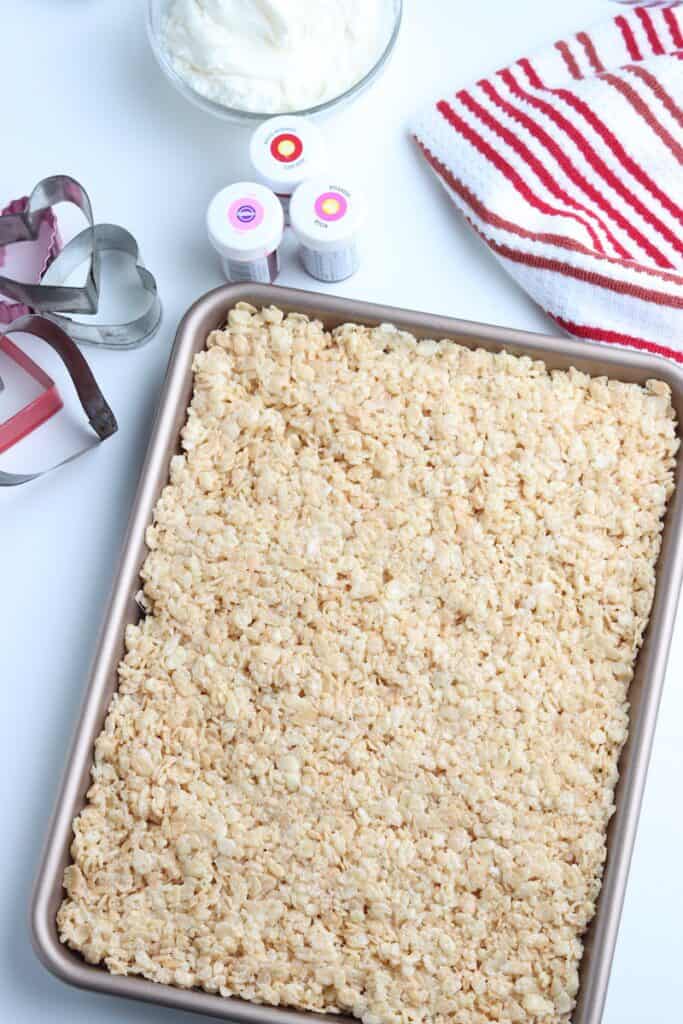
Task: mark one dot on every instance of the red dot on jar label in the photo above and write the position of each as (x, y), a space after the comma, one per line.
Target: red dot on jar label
(286, 148)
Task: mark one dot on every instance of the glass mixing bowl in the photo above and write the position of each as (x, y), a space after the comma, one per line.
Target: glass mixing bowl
(156, 14)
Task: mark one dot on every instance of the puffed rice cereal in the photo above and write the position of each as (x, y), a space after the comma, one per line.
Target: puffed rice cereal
(364, 749)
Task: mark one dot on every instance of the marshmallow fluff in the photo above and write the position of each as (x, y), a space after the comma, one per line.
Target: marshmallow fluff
(275, 56)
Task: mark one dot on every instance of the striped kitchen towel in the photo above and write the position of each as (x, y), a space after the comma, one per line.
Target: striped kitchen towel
(569, 166)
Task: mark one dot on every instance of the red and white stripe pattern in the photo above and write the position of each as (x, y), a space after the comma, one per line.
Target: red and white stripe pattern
(569, 165)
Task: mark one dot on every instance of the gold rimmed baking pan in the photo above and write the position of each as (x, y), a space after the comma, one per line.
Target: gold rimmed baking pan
(207, 314)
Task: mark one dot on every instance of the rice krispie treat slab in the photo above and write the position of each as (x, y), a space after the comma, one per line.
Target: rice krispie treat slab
(364, 749)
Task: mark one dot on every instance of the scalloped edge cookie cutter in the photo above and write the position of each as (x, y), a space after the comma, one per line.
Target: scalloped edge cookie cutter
(48, 246)
(24, 226)
(52, 297)
(49, 402)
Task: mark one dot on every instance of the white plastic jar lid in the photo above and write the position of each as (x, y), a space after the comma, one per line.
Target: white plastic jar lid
(245, 222)
(326, 216)
(285, 151)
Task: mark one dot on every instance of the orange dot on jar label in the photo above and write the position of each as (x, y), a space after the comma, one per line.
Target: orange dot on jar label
(331, 207)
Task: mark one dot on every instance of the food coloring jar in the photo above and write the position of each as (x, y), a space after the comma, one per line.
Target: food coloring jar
(327, 219)
(245, 224)
(286, 151)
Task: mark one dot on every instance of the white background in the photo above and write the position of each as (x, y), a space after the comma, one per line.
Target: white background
(81, 94)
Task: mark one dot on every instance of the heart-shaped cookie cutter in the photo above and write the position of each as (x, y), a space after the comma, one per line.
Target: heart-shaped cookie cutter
(52, 297)
(99, 239)
(47, 244)
(24, 226)
(100, 416)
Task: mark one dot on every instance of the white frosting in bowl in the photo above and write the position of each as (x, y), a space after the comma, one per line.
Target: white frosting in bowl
(274, 56)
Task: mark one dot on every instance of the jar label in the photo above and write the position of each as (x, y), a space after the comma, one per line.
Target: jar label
(261, 271)
(331, 266)
(331, 207)
(246, 214)
(286, 148)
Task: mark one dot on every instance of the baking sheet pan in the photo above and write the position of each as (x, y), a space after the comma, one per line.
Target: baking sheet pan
(559, 353)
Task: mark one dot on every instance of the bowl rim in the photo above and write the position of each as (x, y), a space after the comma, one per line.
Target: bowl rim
(237, 113)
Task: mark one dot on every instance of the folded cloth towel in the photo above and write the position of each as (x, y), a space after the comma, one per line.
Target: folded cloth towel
(569, 165)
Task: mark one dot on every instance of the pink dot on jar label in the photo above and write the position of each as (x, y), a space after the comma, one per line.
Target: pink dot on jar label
(246, 214)
(331, 206)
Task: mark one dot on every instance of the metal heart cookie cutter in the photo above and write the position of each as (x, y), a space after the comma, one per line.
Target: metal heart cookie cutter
(100, 416)
(51, 296)
(32, 220)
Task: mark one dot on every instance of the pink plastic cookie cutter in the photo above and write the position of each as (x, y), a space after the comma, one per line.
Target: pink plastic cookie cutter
(37, 411)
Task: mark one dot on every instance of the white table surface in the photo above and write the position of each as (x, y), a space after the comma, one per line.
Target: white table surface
(81, 94)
